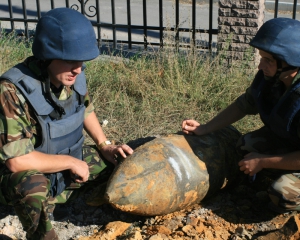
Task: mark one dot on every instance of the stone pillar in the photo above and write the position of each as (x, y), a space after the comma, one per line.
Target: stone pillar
(238, 23)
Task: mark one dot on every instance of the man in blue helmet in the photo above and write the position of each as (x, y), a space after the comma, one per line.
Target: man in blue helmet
(274, 149)
(44, 107)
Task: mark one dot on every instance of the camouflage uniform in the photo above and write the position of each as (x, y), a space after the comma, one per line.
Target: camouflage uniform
(285, 189)
(28, 191)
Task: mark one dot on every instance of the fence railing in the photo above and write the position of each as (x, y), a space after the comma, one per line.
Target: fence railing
(284, 6)
(143, 23)
(130, 23)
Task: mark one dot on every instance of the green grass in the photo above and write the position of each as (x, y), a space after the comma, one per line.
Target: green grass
(147, 96)
(12, 50)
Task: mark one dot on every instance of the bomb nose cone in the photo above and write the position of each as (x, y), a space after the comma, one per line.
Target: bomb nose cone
(171, 173)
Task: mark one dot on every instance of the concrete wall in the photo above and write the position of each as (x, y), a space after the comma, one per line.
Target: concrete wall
(238, 23)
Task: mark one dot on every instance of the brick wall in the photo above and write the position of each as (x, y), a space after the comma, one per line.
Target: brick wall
(238, 23)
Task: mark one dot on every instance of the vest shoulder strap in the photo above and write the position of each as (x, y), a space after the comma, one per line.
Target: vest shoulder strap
(31, 88)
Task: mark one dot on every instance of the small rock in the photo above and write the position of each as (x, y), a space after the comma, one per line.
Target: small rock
(158, 237)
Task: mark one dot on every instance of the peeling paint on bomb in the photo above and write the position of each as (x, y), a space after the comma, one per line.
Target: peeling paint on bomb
(173, 172)
(126, 208)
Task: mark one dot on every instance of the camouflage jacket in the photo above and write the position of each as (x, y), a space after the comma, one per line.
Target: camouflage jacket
(20, 131)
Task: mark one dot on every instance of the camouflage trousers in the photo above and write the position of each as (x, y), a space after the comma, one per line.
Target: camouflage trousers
(29, 193)
(284, 190)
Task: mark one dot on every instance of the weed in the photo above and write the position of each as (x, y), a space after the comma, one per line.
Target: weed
(13, 49)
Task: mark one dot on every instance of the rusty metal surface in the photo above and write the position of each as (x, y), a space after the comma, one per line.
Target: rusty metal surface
(173, 172)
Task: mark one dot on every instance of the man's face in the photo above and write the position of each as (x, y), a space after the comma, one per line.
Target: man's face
(62, 72)
(267, 64)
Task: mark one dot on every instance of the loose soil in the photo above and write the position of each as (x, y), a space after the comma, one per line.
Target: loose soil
(236, 213)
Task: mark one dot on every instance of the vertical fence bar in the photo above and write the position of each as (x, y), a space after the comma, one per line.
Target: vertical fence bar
(210, 23)
(145, 24)
(99, 39)
(276, 9)
(177, 24)
(294, 9)
(129, 24)
(12, 23)
(161, 24)
(82, 3)
(193, 24)
(38, 8)
(25, 18)
(113, 16)
(52, 4)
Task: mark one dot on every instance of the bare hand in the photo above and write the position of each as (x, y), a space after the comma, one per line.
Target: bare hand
(191, 127)
(251, 163)
(111, 151)
(80, 170)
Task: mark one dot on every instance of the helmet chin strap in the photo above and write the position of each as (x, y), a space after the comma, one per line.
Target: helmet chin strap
(281, 69)
(58, 109)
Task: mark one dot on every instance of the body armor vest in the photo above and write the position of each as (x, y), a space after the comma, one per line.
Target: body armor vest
(59, 136)
(281, 115)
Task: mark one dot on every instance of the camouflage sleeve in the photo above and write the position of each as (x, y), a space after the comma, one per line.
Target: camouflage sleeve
(88, 104)
(15, 127)
(246, 103)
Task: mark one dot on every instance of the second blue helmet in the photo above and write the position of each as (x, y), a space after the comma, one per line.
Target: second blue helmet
(281, 38)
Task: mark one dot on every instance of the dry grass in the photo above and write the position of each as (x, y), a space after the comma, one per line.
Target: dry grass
(151, 96)
(147, 96)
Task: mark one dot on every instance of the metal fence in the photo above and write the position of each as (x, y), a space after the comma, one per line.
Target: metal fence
(283, 6)
(130, 23)
(124, 22)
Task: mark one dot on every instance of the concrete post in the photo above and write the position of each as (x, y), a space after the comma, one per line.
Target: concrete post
(238, 23)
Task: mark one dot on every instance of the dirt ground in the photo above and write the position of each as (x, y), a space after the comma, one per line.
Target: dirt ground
(237, 213)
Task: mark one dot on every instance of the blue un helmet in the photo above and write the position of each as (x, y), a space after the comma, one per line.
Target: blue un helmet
(65, 34)
(281, 38)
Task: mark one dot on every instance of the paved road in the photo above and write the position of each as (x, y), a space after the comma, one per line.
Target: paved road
(283, 5)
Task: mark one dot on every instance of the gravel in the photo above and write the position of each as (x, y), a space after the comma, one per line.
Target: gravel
(238, 213)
